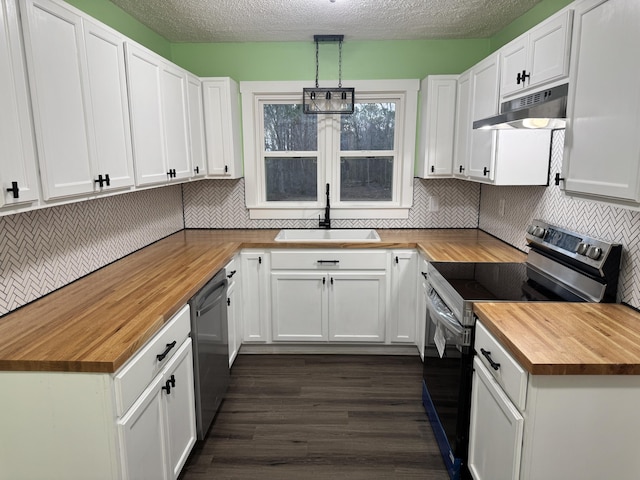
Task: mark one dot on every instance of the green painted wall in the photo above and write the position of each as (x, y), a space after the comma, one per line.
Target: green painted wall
(121, 21)
(542, 10)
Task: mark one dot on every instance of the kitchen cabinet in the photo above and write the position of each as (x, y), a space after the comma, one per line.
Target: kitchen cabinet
(328, 295)
(553, 427)
(80, 109)
(422, 327)
(234, 310)
(463, 124)
(198, 148)
(18, 175)
(138, 422)
(602, 147)
(159, 117)
(255, 269)
(436, 134)
(537, 57)
(222, 127)
(403, 321)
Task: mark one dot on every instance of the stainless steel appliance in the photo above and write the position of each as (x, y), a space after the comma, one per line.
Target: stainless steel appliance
(561, 266)
(209, 332)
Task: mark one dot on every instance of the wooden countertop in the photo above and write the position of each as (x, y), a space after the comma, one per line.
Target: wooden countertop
(96, 323)
(567, 338)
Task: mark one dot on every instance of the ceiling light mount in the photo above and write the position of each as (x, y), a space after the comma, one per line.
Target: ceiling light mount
(328, 100)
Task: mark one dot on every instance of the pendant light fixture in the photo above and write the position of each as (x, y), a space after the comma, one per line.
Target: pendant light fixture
(328, 100)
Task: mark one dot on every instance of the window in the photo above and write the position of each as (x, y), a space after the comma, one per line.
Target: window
(366, 157)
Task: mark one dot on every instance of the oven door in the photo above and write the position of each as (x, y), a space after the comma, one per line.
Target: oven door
(446, 392)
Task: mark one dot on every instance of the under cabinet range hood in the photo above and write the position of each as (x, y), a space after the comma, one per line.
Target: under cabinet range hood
(543, 109)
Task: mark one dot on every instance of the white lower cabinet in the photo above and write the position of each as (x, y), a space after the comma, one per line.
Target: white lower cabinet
(549, 427)
(403, 303)
(255, 295)
(422, 327)
(234, 307)
(138, 423)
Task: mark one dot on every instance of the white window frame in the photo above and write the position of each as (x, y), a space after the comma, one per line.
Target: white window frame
(404, 92)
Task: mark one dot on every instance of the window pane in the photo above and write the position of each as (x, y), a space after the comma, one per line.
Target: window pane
(291, 179)
(286, 128)
(367, 179)
(370, 127)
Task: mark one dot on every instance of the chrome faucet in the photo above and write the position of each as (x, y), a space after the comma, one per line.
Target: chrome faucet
(326, 221)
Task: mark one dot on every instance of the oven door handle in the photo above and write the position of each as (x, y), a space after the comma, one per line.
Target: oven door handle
(441, 314)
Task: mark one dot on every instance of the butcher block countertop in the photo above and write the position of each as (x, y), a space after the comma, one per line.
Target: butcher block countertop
(567, 338)
(98, 322)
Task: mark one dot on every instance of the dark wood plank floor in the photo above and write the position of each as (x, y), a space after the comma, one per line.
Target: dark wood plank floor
(320, 417)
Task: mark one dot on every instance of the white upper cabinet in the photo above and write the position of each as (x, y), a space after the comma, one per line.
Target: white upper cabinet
(159, 117)
(196, 127)
(602, 145)
(537, 57)
(463, 124)
(222, 127)
(18, 176)
(437, 126)
(76, 73)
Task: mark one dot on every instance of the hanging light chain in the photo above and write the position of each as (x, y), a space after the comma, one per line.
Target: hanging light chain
(340, 64)
(317, 63)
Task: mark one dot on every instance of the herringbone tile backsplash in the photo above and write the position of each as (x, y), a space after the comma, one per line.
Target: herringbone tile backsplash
(523, 204)
(43, 250)
(220, 204)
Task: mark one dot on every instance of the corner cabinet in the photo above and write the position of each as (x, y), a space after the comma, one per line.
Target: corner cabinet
(602, 145)
(80, 107)
(437, 119)
(222, 127)
(18, 175)
(138, 422)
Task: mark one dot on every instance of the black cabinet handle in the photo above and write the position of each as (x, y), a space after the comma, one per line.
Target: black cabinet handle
(485, 170)
(461, 169)
(260, 260)
(196, 170)
(487, 355)
(172, 173)
(433, 168)
(231, 274)
(331, 280)
(14, 189)
(107, 179)
(424, 274)
(100, 180)
(558, 179)
(226, 169)
(169, 384)
(333, 262)
(397, 261)
(324, 280)
(228, 302)
(522, 77)
(162, 356)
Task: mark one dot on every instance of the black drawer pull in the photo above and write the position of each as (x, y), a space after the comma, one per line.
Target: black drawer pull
(15, 191)
(424, 274)
(487, 355)
(333, 262)
(169, 384)
(162, 356)
(231, 274)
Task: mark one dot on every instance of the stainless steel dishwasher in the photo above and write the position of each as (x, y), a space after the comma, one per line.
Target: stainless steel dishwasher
(209, 332)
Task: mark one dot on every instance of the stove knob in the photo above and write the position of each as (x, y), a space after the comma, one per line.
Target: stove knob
(582, 248)
(538, 232)
(594, 252)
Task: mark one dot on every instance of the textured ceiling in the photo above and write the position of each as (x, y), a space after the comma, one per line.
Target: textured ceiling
(299, 20)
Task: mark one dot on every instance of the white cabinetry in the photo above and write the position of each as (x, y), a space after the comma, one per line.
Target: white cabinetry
(222, 127)
(402, 322)
(437, 126)
(602, 145)
(77, 79)
(320, 295)
(198, 148)
(255, 294)
(17, 147)
(537, 57)
(463, 124)
(422, 328)
(136, 423)
(234, 304)
(160, 124)
(550, 427)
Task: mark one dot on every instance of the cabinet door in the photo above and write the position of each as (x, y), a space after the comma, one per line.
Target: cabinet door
(54, 50)
(179, 406)
(18, 158)
(222, 127)
(196, 127)
(255, 270)
(513, 60)
(299, 306)
(233, 304)
(403, 321)
(109, 105)
(602, 145)
(496, 429)
(549, 47)
(438, 123)
(142, 436)
(357, 306)
(484, 101)
(173, 83)
(143, 75)
(463, 126)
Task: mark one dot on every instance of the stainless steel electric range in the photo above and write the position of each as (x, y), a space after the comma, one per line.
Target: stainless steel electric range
(561, 266)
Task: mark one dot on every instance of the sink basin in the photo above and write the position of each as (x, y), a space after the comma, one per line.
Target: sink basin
(328, 235)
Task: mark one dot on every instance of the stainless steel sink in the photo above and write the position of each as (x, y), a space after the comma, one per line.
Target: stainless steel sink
(328, 235)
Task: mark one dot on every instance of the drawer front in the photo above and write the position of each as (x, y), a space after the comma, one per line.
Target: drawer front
(329, 259)
(134, 376)
(506, 370)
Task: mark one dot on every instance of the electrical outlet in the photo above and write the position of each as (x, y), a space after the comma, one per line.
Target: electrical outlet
(434, 204)
(501, 203)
